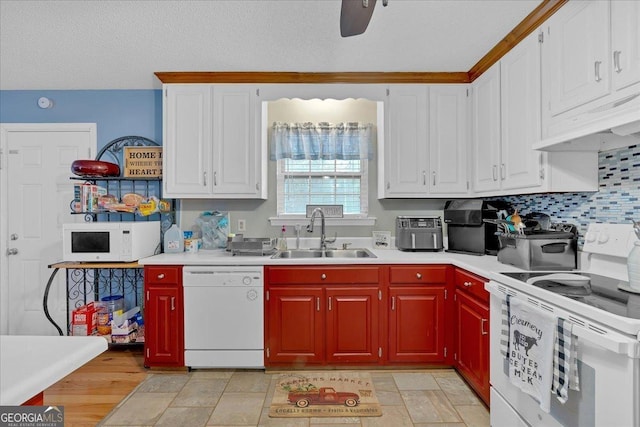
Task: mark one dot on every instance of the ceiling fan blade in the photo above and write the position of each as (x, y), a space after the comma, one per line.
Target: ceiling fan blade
(355, 17)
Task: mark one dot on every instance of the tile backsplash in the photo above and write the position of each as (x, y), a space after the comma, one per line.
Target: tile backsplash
(616, 201)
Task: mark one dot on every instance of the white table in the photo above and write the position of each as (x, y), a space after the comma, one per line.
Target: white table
(30, 364)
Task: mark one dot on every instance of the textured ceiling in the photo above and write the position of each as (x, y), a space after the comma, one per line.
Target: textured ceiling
(120, 44)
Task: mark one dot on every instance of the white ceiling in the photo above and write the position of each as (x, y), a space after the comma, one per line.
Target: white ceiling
(56, 44)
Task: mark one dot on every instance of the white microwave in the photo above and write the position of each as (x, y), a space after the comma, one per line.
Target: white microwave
(110, 241)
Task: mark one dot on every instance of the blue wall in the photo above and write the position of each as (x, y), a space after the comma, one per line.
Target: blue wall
(116, 112)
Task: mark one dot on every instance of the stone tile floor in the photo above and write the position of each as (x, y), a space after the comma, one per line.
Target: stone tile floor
(421, 398)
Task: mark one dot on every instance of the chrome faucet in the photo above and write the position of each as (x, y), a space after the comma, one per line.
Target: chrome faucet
(323, 237)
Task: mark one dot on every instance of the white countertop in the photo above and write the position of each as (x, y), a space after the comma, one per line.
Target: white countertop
(30, 364)
(486, 266)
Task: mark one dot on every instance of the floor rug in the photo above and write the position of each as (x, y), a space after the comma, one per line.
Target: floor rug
(325, 394)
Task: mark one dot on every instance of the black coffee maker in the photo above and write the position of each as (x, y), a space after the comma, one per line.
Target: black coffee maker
(467, 232)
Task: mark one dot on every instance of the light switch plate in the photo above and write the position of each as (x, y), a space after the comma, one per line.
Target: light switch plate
(381, 239)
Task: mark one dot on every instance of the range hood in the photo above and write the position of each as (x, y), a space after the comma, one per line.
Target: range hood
(601, 129)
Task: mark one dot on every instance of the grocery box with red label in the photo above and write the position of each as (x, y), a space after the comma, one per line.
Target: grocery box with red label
(83, 320)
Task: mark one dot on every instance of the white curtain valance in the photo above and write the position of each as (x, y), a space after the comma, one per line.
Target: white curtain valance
(326, 141)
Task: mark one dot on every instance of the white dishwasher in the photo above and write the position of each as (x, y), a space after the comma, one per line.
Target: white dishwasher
(223, 316)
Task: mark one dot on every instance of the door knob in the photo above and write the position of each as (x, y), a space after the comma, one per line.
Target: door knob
(14, 236)
(12, 251)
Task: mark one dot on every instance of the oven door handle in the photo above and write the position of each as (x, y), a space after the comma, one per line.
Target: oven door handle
(613, 342)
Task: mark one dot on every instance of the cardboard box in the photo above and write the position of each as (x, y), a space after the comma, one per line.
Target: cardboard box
(83, 320)
(124, 339)
(124, 327)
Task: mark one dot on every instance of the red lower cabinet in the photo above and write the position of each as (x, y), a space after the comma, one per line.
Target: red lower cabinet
(164, 316)
(472, 319)
(416, 324)
(294, 325)
(417, 314)
(353, 316)
(375, 315)
(322, 315)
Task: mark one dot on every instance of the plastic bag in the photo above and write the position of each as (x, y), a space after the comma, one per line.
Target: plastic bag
(215, 229)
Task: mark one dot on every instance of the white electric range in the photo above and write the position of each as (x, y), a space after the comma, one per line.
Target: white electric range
(605, 316)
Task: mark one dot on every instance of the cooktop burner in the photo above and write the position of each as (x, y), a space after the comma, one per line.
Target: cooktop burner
(605, 293)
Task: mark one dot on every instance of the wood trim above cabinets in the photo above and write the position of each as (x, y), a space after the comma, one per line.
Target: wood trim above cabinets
(515, 36)
(308, 77)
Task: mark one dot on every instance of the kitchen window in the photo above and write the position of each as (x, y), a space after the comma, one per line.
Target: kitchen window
(321, 164)
(322, 182)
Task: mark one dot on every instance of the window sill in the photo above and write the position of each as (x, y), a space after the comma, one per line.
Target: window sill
(302, 220)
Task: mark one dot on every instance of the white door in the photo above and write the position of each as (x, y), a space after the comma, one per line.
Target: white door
(36, 193)
(187, 141)
(235, 150)
(486, 130)
(576, 55)
(520, 106)
(625, 43)
(448, 139)
(407, 150)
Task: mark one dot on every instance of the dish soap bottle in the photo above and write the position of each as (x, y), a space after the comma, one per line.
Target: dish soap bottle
(282, 242)
(173, 240)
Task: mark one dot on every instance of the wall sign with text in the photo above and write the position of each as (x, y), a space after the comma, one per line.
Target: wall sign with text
(142, 162)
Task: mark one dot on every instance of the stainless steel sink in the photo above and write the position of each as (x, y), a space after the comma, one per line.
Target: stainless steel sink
(349, 253)
(299, 253)
(329, 253)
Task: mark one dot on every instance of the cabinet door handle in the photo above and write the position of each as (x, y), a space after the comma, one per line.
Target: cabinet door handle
(173, 303)
(468, 284)
(503, 169)
(495, 172)
(329, 303)
(317, 303)
(616, 61)
(147, 295)
(393, 303)
(597, 70)
(160, 276)
(323, 276)
(434, 177)
(215, 179)
(482, 330)
(204, 179)
(424, 178)
(418, 276)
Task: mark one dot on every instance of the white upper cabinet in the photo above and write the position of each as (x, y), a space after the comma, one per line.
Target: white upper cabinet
(186, 159)
(625, 43)
(485, 131)
(407, 150)
(590, 72)
(448, 139)
(211, 146)
(425, 154)
(236, 161)
(506, 125)
(576, 55)
(520, 115)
